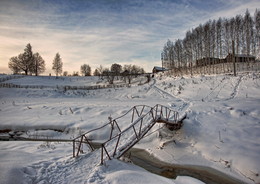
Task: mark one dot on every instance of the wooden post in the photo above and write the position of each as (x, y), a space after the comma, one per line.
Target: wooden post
(234, 58)
(79, 146)
(116, 144)
(140, 129)
(162, 59)
(73, 148)
(102, 147)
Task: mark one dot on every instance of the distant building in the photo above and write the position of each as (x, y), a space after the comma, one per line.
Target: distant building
(207, 61)
(211, 61)
(124, 73)
(157, 69)
(240, 58)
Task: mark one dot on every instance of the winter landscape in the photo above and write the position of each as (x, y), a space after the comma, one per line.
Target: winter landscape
(129, 91)
(221, 129)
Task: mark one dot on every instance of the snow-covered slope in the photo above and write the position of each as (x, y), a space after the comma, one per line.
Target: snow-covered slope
(221, 130)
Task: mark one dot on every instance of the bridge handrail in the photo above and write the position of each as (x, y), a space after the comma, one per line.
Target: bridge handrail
(141, 117)
(112, 122)
(92, 130)
(133, 108)
(138, 135)
(133, 139)
(157, 113)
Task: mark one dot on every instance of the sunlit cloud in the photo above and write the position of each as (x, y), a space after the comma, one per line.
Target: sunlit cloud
(103, 32)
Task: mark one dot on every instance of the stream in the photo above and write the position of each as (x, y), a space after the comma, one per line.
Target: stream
(143, 159)
(206, 174)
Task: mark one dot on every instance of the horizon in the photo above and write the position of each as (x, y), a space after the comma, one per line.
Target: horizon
(104, 32)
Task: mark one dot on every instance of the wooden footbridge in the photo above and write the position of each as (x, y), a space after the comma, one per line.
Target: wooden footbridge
(125, 131)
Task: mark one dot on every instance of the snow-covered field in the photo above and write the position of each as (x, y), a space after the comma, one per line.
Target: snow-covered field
(222, 128)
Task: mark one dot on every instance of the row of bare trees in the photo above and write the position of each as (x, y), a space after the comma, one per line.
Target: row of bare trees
(27, 62)
(126, 72)
(214, 39)
(32, 63)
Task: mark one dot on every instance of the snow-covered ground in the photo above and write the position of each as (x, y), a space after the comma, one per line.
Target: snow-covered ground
(222, 128)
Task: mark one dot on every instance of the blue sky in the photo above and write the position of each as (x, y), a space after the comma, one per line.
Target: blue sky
(103, 32)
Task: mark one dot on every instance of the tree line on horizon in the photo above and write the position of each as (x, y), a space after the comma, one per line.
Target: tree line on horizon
(32, 63)
(214, 40)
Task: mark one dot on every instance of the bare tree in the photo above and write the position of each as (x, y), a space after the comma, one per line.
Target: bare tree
(248, 31)
(206, 39)
(178, 49)
(57, 64)
(136, 70)
(238, 32)
(27, 62)
(85, 70)
(100, 70)
(232, 24)
(127, 73)
(116, 68)
(39, 64)
(96, 72)
(28, 58)
(75, 74)
(257, 28)
(187, 46)
(213, 38)
(23, 62)
(168, 55)
(219, 33)
(198, 42)
(110, 76)
(227, 37)
(65, 73)
(15, 65)
(131, 71)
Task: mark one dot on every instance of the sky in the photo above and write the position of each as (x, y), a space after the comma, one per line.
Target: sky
(103, 32)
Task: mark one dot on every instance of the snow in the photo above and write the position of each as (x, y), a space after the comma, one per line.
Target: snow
(221, 131)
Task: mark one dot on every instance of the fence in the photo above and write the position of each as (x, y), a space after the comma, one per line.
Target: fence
(220, 68)
(64, 88)
(4, 78)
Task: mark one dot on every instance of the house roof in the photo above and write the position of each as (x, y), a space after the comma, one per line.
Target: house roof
(158, 68)
(243, 55)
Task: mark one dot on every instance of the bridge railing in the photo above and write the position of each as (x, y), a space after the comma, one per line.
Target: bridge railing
(126, 130)
(110, 129)
(163, 113)
(120, 143)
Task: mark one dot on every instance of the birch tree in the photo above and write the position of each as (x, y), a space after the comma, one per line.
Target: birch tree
(257, 31)
(248, 31)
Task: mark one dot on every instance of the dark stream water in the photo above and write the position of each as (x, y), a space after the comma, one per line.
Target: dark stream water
(206, 174)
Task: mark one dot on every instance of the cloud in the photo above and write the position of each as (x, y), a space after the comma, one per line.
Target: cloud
(101, 31)
(235, 7)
